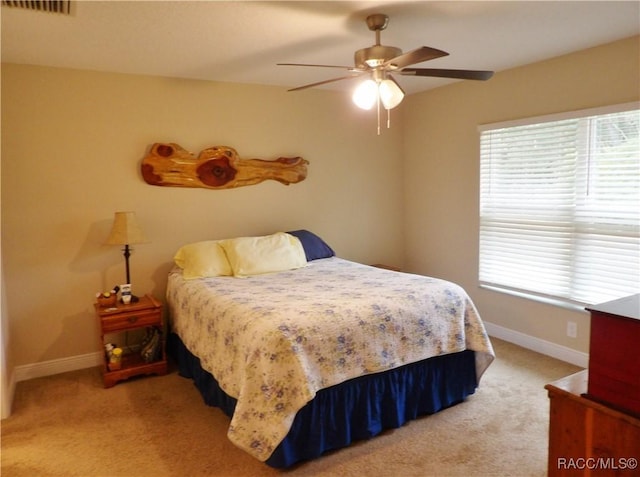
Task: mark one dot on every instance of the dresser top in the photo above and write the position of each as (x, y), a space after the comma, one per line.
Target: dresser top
(627, 307)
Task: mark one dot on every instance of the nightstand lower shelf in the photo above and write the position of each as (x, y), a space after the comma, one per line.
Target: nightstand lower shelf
(133, 365)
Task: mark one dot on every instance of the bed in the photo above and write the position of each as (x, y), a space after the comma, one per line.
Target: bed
(317, 351)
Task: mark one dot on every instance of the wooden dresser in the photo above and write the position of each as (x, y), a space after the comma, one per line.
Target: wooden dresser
(594, 426)
(587, 438)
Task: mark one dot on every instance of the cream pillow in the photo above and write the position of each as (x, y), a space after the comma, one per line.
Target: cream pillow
(270, 253)
(202, 259)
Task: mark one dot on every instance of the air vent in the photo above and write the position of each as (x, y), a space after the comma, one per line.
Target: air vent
(54, 6)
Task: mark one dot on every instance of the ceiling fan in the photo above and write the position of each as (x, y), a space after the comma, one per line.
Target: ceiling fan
(379, 62)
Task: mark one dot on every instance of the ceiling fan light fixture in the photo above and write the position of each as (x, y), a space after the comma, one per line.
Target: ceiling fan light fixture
(379, 61)
(365, 95)
(390, 94)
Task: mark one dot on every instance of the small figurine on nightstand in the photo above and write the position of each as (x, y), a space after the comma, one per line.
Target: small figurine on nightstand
(115, 360)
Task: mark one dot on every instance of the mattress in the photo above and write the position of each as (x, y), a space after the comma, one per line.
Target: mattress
(273, 341)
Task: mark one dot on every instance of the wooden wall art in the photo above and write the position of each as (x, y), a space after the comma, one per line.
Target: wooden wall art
(217, 167)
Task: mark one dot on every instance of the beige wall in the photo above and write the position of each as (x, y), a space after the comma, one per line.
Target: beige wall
(72, 142)
(442, 169)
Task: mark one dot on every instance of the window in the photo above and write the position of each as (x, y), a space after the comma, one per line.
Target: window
(560, 205)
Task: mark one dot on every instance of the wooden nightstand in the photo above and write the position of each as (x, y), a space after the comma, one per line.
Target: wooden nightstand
(119, 318)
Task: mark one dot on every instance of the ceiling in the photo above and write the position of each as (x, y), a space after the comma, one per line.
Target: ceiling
(242, 41)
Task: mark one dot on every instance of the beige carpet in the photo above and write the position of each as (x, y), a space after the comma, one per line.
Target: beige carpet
(69, 425)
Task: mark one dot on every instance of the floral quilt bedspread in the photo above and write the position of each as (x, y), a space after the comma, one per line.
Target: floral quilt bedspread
(272, 341)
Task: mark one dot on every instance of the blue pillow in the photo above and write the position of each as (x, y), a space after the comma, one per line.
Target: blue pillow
(314, 246)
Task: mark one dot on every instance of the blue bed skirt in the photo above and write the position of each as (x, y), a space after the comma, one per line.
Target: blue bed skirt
(357, 409)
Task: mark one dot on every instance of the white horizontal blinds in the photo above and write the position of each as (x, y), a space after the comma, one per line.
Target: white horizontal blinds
(559, 207)
(607, 210)
(527, 176)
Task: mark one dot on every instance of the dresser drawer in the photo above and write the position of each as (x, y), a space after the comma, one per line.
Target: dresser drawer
(614, 360)
(124, 321)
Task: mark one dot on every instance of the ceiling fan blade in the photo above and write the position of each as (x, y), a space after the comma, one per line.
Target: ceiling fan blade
(424, 53)
(350, 68)
(441, 73)
(322, 82)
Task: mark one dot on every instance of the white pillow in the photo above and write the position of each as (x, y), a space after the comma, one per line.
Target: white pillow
(203, 259)
(270, 253)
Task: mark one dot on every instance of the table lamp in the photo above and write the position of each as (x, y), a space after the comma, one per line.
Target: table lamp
(126, 231)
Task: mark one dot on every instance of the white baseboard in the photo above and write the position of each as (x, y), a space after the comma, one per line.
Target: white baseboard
(57, 366)
(548, 348)
(7, 396)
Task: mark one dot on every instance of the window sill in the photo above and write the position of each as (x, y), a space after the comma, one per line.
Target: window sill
(533, 297)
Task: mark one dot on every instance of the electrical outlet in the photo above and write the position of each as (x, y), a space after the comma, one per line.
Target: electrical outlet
(572, 329)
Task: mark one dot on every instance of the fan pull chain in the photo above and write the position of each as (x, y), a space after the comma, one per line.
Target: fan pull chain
(388, 116)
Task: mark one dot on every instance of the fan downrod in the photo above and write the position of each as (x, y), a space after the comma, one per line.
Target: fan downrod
(376, 55)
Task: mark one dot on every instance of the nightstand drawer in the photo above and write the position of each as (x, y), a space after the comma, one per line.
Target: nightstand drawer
(124, 321)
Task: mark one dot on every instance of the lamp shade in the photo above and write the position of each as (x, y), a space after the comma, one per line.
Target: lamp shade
(125, 230)
(391, 94)
(366, 94)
